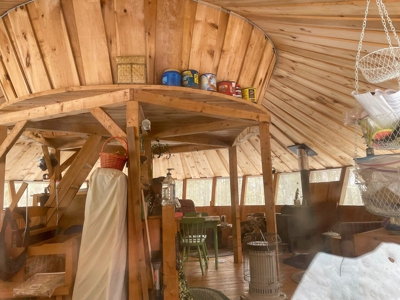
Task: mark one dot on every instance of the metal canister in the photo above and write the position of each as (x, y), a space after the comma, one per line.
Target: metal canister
(226, 87)
(238, 91)
(171, 77)
(249, 94)
(190, 78)
(208, 82)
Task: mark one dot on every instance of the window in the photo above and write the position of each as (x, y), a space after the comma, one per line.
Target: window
(286, 190)
(32, 189)
(325, 175)
(352, 195)
(199, 190)
(178, 188)
(255, 191)
(223, 191)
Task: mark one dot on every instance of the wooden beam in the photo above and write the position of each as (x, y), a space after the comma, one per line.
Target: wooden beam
(138, 286)
(47, 159)
(36, 138)
(170, 274)
(164, 131)
(201, 108)
(245, 135)
(72, 107)
(108, 123)
(76, 127)
(235, 208)
(198, 139)
(68, 162)
(73, 179)
(15, 197)
(12, 137)
(213, 191)
(3, 136)
(191, 148)
(267, 178)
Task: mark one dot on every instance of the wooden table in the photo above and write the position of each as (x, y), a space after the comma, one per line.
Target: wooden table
(212, 222)
(367, 241)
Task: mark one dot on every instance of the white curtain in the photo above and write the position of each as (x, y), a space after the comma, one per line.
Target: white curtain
(102, 256)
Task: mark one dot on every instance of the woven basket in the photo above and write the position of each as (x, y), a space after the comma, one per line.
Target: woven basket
(111, 160)
(381, 65)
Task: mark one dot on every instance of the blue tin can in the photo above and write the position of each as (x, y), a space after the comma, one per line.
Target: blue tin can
(190, 78)
(208, 82)
(171, 77)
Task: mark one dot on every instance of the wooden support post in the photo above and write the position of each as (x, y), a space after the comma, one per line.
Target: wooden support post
(243, 196)
(47, 159)
(213, 191)
(266, 163)
(237, 242)
(12, 137)
(136, 258)
(170, 274)
(3, 135)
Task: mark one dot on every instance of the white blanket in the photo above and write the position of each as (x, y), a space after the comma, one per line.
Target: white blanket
(102, 256)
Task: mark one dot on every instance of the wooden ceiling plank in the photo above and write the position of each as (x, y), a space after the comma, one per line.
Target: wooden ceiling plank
(188, 157)
(318, 135)
(203, 164)
(288, 89)
(302, 135)
(253, 58)
(189, 19)
(9, 57)
(29, 53)
(198, 139)
(252, 155)
(224, 155)
(92, 42)
(176, 161)
(325, 125)
(338, 74)
(204, 39)
(233, 50)
(194, 129)
(217, 166)
(46, 16)
(345, 99)
(245, 163)
(285, 141)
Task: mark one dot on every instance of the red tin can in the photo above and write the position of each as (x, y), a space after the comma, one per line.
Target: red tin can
(238, 93)
(226, 87)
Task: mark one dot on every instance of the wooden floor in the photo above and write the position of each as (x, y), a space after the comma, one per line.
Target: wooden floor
(229, 277)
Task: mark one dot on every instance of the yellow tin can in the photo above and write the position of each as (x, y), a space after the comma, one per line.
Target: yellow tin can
(249, 94)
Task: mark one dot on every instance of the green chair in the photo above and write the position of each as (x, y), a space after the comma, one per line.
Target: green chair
(192, 233)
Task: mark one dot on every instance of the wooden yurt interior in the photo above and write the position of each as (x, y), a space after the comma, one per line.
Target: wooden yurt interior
(84, 84)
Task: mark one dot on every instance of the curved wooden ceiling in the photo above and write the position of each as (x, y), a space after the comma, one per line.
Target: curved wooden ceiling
(310, 89)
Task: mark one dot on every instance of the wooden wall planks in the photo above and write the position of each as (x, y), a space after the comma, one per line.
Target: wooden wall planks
(58, 43)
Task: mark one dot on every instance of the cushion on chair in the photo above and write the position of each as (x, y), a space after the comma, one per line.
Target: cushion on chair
(187, 205)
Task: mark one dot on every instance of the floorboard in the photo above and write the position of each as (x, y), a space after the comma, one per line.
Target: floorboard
(229, 277)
